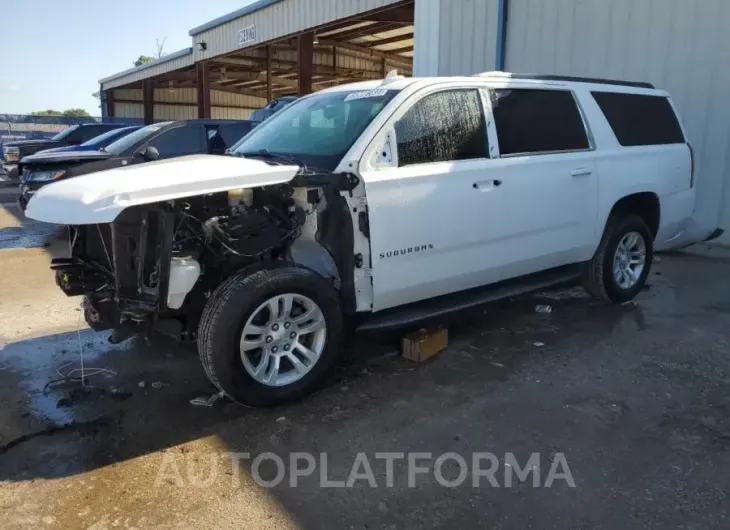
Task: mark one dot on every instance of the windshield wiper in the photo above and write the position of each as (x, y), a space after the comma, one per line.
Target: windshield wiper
(265, 153)
(285, 158)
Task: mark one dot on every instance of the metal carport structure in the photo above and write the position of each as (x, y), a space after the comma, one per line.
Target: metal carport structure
(268, 49)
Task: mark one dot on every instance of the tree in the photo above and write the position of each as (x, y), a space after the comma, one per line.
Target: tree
(75, 112)
(69, 112)
(160, 47)
(147, 58)
(142, 59)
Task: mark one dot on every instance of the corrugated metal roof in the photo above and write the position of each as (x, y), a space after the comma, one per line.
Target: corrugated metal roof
(251, 8)
(276, 19)
(270, 20)
(168, 63)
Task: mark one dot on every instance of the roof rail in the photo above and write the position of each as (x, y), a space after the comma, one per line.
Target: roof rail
(538, 77)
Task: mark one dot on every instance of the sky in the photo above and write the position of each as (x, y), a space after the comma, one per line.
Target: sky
(55, 51)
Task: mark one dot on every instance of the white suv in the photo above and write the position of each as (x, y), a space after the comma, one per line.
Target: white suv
(373, 205)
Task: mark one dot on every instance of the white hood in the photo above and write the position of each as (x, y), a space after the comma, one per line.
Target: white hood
(100, 197)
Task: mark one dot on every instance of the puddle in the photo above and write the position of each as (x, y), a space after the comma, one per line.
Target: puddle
(41, 364)
(21, 237)
(18, 232)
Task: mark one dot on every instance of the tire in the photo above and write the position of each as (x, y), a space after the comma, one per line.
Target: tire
(599, 278)
(229, 310)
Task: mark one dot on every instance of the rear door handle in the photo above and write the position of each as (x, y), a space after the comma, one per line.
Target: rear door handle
(581, 172)
(486, 185)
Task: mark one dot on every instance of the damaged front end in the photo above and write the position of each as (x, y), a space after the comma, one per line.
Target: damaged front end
(153, 241)
(121, 268)
(163, 260)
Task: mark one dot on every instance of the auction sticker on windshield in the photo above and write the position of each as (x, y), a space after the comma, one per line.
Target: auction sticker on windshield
(376, 93)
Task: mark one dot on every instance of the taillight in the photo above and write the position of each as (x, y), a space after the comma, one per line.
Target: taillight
(692, 166)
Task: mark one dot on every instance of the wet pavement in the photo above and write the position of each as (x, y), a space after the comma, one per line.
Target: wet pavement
(636, 398)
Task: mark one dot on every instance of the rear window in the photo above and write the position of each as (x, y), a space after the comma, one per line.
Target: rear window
(638, 119)
(230, 134)
(537, 121)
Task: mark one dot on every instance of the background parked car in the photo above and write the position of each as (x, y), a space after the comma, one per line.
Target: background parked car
(95, 144)
(160, 140)
(13, 152)
(274, 106)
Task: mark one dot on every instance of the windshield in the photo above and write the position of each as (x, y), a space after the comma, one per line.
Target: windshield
(64, 133)
(318, 130)
(124, 143)
(102, 138)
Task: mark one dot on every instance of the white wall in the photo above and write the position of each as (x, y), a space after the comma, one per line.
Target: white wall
(679, 45)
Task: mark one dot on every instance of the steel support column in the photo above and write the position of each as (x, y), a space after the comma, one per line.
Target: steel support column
(148, 101)
(306, 60)
(202, 70)
(269, 90)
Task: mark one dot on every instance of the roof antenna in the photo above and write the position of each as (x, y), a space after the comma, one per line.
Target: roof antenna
(391, 77)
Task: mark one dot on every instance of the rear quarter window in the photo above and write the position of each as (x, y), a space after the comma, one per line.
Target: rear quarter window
(638, 119)
(537, 121)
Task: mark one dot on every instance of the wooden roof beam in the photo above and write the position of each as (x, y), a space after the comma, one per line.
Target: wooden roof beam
(330, 31)
(362, 32)
(397, 15)
(405, 49)
(368, 51)
(389, 40)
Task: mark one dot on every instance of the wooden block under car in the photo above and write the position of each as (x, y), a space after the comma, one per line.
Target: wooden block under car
(424, 344)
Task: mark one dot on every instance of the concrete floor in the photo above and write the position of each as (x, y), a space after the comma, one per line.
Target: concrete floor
(636, 397)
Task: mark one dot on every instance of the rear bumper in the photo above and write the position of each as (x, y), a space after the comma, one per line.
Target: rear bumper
(678, 226)
(675, 217)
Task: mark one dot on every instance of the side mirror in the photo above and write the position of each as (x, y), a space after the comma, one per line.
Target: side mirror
(149, 153)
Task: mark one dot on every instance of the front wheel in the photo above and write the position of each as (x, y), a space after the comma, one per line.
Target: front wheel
(621, 265)
(271, 336)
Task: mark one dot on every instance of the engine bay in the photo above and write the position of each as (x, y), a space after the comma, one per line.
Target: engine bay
(165, 259)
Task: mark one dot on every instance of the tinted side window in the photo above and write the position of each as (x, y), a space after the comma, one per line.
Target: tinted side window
(537, 121)
(640, 120)
(441, 127)
(179, 141)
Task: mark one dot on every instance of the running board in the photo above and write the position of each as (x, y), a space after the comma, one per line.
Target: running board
(434, 308)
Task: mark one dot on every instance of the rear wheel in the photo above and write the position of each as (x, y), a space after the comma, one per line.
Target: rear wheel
(271, 336)
(621, 265)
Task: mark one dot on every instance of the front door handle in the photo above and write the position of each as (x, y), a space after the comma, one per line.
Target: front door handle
(486, 185)
(581, 172)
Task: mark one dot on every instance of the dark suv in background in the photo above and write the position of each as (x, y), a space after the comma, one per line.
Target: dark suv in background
(13, 152)
(160, 140)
